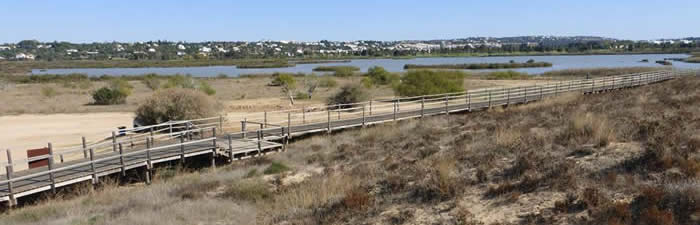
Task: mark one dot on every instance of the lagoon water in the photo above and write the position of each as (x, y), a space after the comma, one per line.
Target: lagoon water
(396, 65)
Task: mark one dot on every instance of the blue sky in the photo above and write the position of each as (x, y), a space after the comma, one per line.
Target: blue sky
(97, 20)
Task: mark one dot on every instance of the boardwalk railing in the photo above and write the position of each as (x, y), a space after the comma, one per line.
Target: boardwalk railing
(251, 135)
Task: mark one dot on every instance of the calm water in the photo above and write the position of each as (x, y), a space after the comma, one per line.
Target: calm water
(396, 65)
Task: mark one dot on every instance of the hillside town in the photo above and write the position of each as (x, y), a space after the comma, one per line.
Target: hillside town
(167, 50)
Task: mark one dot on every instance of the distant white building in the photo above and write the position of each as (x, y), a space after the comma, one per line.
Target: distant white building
(5, 48)
(120, 48)
(92, 52)
(205, 49)
(71, 51)
(22, 56)
(151, 50)
(181, 53)
(181, 47)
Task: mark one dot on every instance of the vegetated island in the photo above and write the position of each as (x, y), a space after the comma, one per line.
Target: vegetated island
(319, 61)
(694, 59)
(263, 64)
(478, 66)
(341, 71)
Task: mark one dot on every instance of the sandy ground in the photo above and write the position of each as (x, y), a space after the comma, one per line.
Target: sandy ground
(29, 131)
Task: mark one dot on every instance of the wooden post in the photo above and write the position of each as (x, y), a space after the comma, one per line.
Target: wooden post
(260, 137)
(525, 101)
(613, 83)
(489, 98)
(221, 123)
(121, 159)
(148, 161)
(370, 107)
(303, 115)
(51, 176)
(182, 149)
(8, 173)
(213, 149)
(92, 166)
(84, 148)
(338, 113)
(469, 101)
(243, 123)
(394, 107)
(540, 92)
(422, 107)
(230, 148)
(265, 119)
(329, 120)
(592, 85)
(508, 96)
(447, 104)
(170, 126)
(285, 141)
(398, 104)
(363, 115)
(556, 90)
(114, 141)
(289, 124)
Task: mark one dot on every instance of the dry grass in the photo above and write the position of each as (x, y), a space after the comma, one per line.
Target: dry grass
(517, 165)
(236, 94)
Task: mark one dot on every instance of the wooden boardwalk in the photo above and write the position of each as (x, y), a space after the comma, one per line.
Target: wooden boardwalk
(177, 141)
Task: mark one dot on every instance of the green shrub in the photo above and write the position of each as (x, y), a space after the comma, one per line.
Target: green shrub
(340, 71)
(275, 168)
(188, 82)
(280, 79)
(108, 96)
(348, 94)
(301, 95)
(327, 82)
(379, 76)
(48, 91)
(180, 81)
(121, 85)
(206, 88)
(175, 104)
(428, 82)
(151, 81)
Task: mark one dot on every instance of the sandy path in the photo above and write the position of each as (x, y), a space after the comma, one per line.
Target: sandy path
(29, 131)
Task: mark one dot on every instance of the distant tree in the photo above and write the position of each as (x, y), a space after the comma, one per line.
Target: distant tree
(288, 85)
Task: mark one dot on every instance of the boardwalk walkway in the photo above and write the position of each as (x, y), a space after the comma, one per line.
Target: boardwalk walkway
(255, 135)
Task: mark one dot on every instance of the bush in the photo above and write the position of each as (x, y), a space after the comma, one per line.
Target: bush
(151, 81)
(302, 95)
(348, 94)
(206, 88)
(115, 93)
(428, 82)
(275, 168)
(379, 76)
(327, 82)
(340, 71)
(108, 96)
(48, 91)
(180, 81)
(281, 79)
(175, 104)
